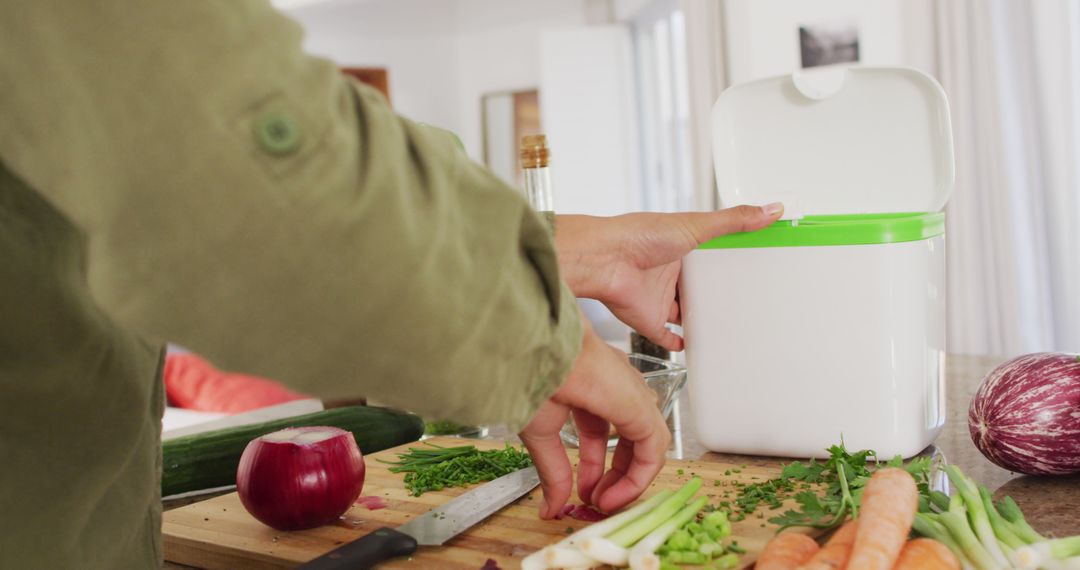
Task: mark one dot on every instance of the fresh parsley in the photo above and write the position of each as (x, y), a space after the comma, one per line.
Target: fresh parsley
(825, 492)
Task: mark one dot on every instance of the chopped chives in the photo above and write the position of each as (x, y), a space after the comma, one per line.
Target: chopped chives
(441, 467)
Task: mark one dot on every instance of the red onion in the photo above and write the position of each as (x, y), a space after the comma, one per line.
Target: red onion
(587, 514)
(567, 508)
(581, 513)
(372, 503)
(301, 477)
(1026, 415)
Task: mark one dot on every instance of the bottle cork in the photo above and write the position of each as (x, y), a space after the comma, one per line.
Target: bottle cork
(534, 151)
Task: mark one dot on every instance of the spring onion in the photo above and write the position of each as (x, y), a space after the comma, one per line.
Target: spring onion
(980, 523)
(613, 548)
(956, 521)
(926, 525)
(642, 555)
(565, 554)
(1048, 554)
(1010, 511)
(1002, 529)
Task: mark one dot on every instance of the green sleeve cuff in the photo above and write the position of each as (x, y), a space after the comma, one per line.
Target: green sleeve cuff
(553, 370)
(549, 217)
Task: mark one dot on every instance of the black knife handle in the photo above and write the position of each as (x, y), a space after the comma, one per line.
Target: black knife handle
(365, 552)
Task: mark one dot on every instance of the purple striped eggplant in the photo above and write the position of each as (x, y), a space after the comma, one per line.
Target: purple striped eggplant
(1025, 416)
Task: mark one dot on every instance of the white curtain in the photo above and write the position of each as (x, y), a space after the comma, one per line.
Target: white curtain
(707, 75)
(1012, 72)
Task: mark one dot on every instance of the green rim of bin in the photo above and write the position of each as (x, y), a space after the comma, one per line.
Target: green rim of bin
(846, 229)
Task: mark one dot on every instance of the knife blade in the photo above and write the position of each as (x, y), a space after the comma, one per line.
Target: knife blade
(432, 528)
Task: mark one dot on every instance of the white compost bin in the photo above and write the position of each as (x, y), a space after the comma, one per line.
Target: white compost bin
(830, 323)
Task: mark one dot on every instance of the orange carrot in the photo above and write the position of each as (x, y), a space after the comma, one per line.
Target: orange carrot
(889, 502)
(926, 554)
(786, 551)
(834, 555)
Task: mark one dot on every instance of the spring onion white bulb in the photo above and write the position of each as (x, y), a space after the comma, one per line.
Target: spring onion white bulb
(542, 559)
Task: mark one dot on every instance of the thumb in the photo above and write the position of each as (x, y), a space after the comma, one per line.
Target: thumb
(707, 225)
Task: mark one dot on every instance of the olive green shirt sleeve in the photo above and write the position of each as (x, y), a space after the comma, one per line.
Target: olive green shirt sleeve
(249, 202)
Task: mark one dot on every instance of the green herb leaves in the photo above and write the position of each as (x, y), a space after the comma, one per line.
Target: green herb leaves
(826, 491)
(440, 467)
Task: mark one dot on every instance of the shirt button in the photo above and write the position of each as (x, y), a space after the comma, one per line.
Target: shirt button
(277, 133)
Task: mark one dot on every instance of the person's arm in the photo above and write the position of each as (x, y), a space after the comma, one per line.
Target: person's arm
(602, 390)
(249, 202)
(632, 262)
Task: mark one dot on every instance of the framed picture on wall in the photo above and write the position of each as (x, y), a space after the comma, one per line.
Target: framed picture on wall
(775, 37)
(828, 44)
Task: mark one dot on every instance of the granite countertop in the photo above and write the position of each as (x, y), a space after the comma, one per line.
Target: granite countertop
(1050, 504)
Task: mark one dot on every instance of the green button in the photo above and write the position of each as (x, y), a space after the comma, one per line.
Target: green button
(277, 133)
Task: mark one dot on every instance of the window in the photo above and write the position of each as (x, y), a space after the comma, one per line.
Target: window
(661, 64)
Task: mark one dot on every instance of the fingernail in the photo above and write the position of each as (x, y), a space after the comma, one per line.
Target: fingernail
(773, 209)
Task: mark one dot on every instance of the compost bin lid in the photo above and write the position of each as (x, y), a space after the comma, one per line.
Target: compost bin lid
(835, 140)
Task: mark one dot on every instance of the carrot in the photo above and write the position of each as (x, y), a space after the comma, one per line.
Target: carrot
(834, 555)
(786, 551)
(889, 502)
(926, 554)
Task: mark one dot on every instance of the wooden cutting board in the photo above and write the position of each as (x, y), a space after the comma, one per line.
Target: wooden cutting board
(219, 533)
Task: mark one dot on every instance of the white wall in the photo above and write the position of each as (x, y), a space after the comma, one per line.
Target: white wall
(919, 42)
(763, 35)
(418, 51)
(498, 49)
(442, 55)
(587, 99)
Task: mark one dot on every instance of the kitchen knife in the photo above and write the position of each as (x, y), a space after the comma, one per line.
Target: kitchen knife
(432, 528)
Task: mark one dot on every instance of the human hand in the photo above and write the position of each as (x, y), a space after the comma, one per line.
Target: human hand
(602, 388)
(631, 263)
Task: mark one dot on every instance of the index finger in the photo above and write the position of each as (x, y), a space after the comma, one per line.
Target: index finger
(635, 465)
(545, 447)
(643, 439)
(707, 225)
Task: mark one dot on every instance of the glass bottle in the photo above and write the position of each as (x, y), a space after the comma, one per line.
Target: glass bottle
(535, 157)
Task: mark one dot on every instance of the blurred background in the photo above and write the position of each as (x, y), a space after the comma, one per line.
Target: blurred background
(623, 90)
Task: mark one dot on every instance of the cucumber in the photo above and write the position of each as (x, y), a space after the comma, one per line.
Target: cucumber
(209, 459)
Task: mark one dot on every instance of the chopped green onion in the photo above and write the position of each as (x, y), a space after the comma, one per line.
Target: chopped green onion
(727, 561)
(718, 523)
(710, 549)
(686, 557)
(642, 554)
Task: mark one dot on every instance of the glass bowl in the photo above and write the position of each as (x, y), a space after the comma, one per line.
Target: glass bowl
(664, 377)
